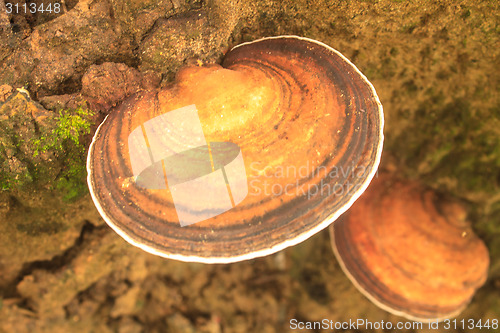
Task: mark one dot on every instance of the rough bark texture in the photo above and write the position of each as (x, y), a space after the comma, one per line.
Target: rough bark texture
(434, 65)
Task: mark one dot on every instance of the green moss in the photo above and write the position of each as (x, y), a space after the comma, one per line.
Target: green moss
(70, 126)
(65, 141)
(72, 182)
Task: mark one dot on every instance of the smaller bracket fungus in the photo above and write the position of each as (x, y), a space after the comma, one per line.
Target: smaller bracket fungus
(410, 251)
(242, 160)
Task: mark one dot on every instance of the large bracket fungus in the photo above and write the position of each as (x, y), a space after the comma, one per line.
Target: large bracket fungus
(410, 251)
(297, 131)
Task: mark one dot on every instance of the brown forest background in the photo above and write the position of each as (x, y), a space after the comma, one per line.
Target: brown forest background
(434, 65)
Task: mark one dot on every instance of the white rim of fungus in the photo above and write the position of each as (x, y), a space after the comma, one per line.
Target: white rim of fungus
(278, 247)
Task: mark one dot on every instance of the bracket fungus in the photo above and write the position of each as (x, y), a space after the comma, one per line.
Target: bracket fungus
(238, 161)
(410, 250)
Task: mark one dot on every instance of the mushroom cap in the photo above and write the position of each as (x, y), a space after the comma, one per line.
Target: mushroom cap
(410, 250)
(294, 135)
